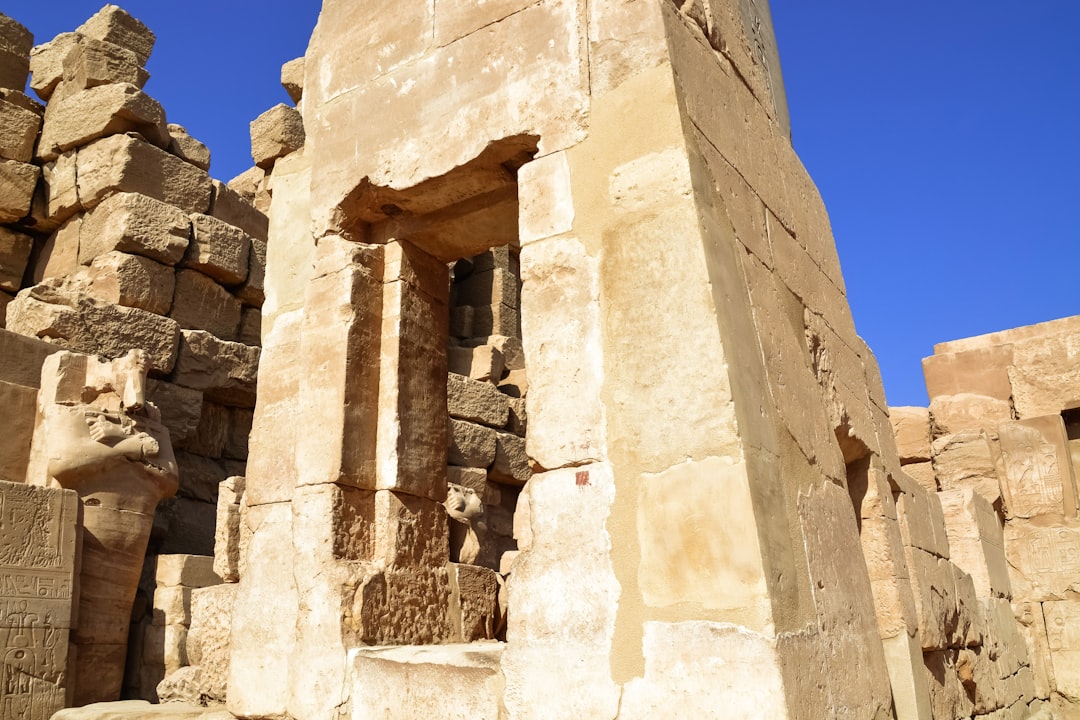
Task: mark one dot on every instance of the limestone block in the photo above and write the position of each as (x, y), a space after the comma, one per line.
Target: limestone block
(969, 613)
(476, 401)
(966, 412)
(254, 186)
(37, 564)
(58, 198)
(18, 130)
(15, 42)
(17, 182)
(511, 464)
(981, 371)
(471, 445)
(435, 681)
(5, 298)
(1036, 471)
(292, 79)
(922, 522)
(483, 363)
(20, 408)
(123, 163)
(218, 249)
(231, 207)
(116, 26)
(911, 426)
(14, 254)
(59, 256)
(208, 637)
(191, 571)
(948, 696)
(180, 408)
(491, 287)
(933, 585)
(88, 62)
(199, 303)
(199, 475)
(1044, 374)
(559, 301)
(21, 359)
(227, 530)
(172, 605)
(1044, 561)
(911, 693)
(84, 324)
(965, 460)
(140, 709)
(250, 326)
(1031, 624)
(21, 99)
(474, 606)
(277, 132)
(137, 224)
(238, 431)
(687, 660)
(976, 541)
(224, 371)
(923, 475)
(131, 281)
(552, 642)
(184, 146)
(81, 117)
(258, 679)
(164, 648)
(253, 292)
(47, 63)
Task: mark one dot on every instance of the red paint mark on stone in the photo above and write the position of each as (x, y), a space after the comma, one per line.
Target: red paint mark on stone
(582, 478)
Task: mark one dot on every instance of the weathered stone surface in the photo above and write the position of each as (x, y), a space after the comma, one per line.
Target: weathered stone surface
(73, 319)
(185, 526)
(1036, 470)
(140, 709)
(88, 62)
(37, 564)
(277, 132)
(935, 606)
(20, 408)
(253, 293)
(17, 181)
(58, 198)
(965, 460)
(1045, 374)
(184, 146)
(137, 224)
(976, 541)
(471, 445)
(238, 210)
(912, 428)
(114, 25)
(250, 326)
(224, 371)
(123, 163)
(483, 363)
(15, 37)
(923, 474)
(292, 79)
(1031, 624)
(200, 475)
(14, 254)
(227, 536)
(18, 130)
(474, 606)
(922, 522)
(1043, 561)
(15, 42)
(59, 256)
(511, 464)
(180, 408)
(1063, 641)
(966, 412)
(476, 401)
(199, 303)
(208, 638)
(218, 249)
(192, 571)
(81, 117)
(411, 682)
(132, 281)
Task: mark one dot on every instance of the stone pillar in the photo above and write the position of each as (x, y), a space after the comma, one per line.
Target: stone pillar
(98, 436)
(37, 564)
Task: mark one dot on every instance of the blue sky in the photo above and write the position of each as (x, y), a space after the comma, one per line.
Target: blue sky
(943, 134)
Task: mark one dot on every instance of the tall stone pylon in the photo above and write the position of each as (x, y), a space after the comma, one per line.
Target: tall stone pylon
(699, 401)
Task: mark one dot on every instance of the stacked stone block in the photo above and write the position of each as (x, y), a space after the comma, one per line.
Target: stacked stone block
(999, 432)
(130, 243)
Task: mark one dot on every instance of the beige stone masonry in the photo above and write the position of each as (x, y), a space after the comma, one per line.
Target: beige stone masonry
(90, 62)
(138, 224)
(292, 79)
(912, 428)
(130, 164)
(231, 207)
(185, 147)
(1035, 467)
(966, 412)
(132, 281)
(966, 460)
(224, 371)
(976, 541)
(14, 254)
(218, 249)
(59, 255)
(15, 43)
(114, 25)
(17, 181)
(18, 131)
(81, 117)
(277, 132)
(199, 303)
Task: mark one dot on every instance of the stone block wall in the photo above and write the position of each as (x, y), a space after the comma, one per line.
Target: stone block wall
(996, 446)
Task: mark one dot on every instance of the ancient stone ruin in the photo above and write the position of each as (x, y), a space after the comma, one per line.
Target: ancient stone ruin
(515, 380)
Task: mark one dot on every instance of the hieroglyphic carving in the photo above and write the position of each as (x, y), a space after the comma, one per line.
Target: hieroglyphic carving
(37, 562)
(1035, 468)
(1044, 561)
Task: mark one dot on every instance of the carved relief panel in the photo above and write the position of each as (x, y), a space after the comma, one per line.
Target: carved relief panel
(1035, 468)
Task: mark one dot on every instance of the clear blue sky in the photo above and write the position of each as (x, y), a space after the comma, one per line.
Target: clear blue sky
(944, 137)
